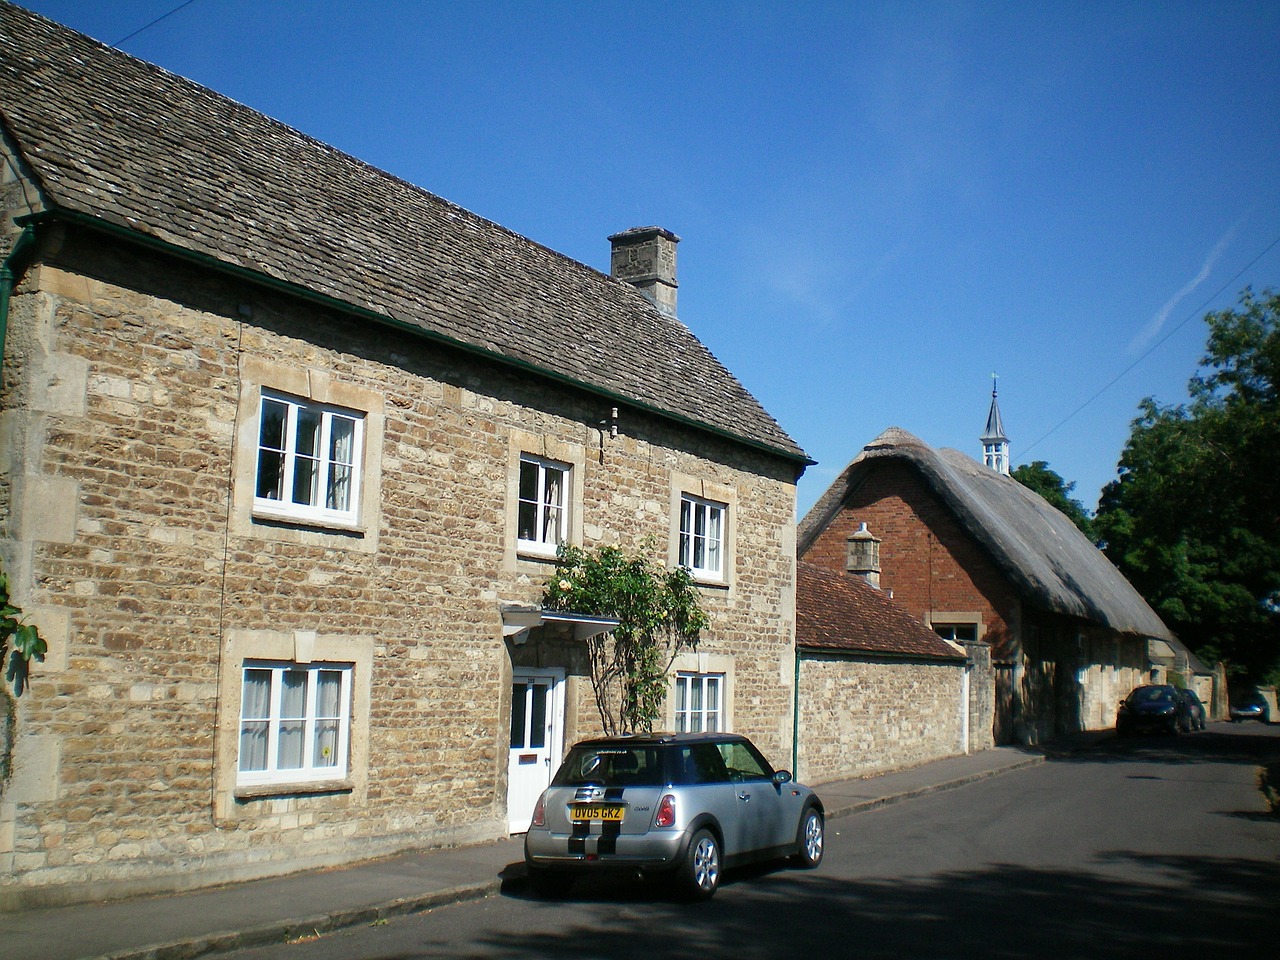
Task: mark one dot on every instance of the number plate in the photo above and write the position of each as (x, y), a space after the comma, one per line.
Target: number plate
(597, 811)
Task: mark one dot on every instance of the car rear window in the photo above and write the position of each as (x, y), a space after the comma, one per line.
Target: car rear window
(612, 766)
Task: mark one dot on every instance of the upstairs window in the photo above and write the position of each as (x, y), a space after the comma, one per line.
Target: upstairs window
(295, 722)
(542, 517)
(308, 461)
(702, 536)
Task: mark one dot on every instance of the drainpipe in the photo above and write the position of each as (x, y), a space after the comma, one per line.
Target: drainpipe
(8, 278)
(795, 716)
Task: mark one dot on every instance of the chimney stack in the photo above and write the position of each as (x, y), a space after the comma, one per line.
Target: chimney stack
(862, 558)
(645, 257)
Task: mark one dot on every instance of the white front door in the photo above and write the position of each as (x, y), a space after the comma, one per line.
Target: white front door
(537, 734)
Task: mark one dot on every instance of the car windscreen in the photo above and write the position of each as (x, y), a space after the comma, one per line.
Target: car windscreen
(611, 766)
(1150, 695)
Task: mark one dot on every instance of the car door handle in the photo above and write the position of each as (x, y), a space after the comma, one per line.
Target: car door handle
(744, 796)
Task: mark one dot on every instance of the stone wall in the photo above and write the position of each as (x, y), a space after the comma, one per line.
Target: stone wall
(126, 383)
(860, 716)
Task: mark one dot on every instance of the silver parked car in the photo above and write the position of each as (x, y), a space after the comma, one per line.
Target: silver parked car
(684, 805)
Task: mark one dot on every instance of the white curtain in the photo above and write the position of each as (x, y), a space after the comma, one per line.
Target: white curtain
(293, 711)
(255, 708)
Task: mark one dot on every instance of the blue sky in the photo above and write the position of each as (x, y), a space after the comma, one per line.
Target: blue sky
(881, 204)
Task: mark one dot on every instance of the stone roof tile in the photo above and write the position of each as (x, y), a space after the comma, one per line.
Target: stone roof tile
(117, 139)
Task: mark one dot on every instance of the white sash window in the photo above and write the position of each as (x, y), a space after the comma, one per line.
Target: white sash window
(295, 722)
(308, 461)
(702, 536)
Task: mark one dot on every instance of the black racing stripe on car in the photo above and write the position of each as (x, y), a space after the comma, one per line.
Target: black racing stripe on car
(613, 793)
(609, 838)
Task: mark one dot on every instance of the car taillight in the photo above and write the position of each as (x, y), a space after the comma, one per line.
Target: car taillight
(540, 812)
(666, 812)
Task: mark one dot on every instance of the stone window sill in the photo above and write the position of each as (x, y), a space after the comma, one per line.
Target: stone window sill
(263, 791)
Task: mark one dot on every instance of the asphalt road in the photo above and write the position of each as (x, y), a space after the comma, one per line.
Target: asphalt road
(1149, 847)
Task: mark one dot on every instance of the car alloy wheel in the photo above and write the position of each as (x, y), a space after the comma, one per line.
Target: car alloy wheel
(701, 873)
(810, 839)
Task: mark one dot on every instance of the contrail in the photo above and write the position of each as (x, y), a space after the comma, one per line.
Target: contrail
(1158, 321)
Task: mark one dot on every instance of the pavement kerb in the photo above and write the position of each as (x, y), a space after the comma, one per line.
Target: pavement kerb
(857, 806)
(283, 931)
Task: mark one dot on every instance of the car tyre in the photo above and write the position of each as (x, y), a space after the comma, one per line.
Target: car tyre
(698, 877)
(550, 884)
(810, 839)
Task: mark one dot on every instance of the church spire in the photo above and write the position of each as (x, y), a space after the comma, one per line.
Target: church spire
(995, 445)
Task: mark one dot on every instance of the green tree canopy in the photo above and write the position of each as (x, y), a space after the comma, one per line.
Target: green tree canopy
(1193, 519)
(1037, 476)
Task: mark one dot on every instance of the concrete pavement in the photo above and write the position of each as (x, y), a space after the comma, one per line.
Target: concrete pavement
(189, 925)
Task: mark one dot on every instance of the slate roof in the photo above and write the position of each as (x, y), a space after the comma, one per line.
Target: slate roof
(843, 614)
(1052, 564)
(124, 142)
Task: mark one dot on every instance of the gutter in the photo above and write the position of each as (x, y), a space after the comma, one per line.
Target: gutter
(8, 279)
(801, 461)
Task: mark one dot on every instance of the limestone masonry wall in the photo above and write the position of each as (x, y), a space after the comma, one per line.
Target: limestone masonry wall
(862, 716)
(126, 384)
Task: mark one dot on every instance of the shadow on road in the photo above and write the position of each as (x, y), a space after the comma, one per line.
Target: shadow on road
(1191, 906)
(1221, 743)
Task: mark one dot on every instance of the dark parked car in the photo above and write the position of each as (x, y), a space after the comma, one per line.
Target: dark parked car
(1197, 715)
(1153, 708)
(681, 805)
(1252, 707)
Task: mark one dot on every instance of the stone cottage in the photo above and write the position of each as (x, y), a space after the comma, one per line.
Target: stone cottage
(876, 688)
(289, 445)
(975, 555)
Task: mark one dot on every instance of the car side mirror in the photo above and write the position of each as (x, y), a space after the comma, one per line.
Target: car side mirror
(780, 777)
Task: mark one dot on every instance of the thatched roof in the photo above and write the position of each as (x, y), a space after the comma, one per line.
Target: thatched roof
(1052, 564)
(120, 143)
(837, 613)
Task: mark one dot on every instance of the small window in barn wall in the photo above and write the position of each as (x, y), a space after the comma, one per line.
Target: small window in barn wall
(309, 461)
(957, 632)
(295, 722)
(699, 702)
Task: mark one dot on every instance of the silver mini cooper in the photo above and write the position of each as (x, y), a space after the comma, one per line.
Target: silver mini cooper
(687, 805)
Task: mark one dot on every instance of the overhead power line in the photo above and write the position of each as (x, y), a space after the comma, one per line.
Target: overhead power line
(1194, 314)
(148, 26)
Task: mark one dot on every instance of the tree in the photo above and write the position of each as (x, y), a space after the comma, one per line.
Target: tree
(1037, 477)
(658, 612)
(1193, 518)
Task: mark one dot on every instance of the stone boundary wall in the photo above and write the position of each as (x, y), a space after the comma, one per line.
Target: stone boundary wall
(863, 716)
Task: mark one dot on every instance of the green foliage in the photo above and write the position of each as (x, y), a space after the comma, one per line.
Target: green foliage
(23, 638)
(20, 643)
(1193, 519)
(1037, 477)
(658, 611)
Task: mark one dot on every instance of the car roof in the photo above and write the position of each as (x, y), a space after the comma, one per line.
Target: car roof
(660, 739)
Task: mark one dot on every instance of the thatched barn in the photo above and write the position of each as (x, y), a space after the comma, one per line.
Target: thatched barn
(975, 555)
